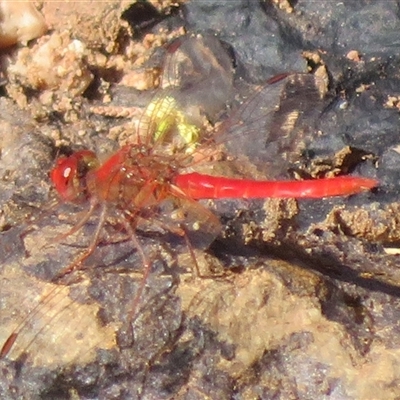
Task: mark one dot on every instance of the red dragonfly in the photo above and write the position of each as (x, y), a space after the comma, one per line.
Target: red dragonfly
(146, 180)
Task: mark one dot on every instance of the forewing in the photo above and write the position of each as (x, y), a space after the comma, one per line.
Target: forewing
(197, 83)
(202, 69)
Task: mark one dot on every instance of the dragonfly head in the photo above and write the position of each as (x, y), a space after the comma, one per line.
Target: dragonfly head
(69, 175)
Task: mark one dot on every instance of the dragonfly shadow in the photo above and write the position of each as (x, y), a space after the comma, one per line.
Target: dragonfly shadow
(233, 253)
(329, 266)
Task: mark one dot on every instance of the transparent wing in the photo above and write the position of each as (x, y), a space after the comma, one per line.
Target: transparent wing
(184, 216)
(197, 83)
(202, 69)
(273, 127)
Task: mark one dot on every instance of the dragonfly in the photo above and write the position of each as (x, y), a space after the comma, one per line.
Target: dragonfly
(156, 179)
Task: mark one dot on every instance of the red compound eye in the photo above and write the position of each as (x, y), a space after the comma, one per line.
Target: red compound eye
(68, 175)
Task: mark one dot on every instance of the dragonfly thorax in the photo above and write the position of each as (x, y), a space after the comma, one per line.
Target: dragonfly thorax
(131, 177)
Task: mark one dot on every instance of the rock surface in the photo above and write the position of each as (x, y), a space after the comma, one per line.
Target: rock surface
(301, 298)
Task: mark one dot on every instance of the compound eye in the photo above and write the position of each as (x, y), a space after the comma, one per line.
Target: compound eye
(64, 176)
(69, 174)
